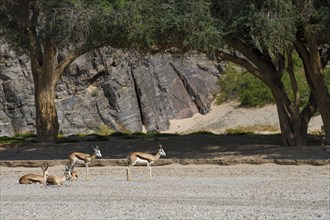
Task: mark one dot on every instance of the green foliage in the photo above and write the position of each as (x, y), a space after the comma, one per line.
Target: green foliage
(244, 87)
(202, 133)
(302, 86)
(104, 130)
(138, 29)
(72, 24)
(238, 132)
(272, 23)
(258, 22)
(199, 27)
(253, 92)
(327, 76)
(238, 85)
(159, 25)
(19, 138)
(10, 140)
(315, 17)
(251, 129)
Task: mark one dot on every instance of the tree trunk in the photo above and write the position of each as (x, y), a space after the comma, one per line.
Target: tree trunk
(319, 85)
(45, 77)
(292, 124)
(46, 121)
(323, 101)
(324, 107)
(293, 129)
(316, 79)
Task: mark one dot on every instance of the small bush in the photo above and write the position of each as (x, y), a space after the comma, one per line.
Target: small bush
(238, 131)
(252, 129)
(104, 130)
(118, 134)
(235, 84)
(202, 133)
(24, 136)
(327, 76)
(254, 93)
(10, 140)
(18, 138)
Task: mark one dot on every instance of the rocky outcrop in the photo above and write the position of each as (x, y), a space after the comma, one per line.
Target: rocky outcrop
(123, 90)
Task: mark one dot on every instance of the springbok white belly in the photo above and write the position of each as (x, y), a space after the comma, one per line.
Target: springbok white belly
(78, 161)
(140, 161)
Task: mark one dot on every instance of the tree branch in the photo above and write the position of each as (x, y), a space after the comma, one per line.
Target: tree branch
(36, 8)
(70, 58)
(294, 85)
(310, 109)
(304, 55)
(35, 59)
(253, 57)
(240, 61)
(281, 63)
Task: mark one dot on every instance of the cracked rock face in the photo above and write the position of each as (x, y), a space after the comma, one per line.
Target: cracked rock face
(113, 87)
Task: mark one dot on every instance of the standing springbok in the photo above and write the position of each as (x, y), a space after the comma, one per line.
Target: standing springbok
(35, 178)
(141, 158)
(82, 158)
(56, 180)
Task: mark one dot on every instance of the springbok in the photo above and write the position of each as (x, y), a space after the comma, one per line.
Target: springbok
(56, 180)
(73, 175)
(141, 158)
(82, 158)
(34, 178)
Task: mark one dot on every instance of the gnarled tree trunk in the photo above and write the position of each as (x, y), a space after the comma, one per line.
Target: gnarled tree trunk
(293, 128)
(45, 77)
(314, 71)
(46, 121)
(293, 123)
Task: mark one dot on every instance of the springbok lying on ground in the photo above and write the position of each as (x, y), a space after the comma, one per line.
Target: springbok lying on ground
(141, 158)
(35, 178)
(82, 158)
(56, 180)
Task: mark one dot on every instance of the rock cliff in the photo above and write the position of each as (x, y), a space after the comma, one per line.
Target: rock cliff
(113, 87)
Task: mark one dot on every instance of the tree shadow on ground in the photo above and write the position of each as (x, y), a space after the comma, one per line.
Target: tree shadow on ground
(196, 146)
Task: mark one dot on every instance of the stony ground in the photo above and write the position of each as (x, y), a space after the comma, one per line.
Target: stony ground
(299, 191)
(265, 191)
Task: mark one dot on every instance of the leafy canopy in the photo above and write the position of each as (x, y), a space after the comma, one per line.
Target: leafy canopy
(158, 25)
(67, 23)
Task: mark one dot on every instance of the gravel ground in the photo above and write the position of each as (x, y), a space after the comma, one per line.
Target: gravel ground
(265, 191)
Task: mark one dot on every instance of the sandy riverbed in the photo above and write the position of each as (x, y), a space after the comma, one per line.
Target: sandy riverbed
(265, 191)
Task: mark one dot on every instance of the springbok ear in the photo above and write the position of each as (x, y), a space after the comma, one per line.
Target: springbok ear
(160, 146)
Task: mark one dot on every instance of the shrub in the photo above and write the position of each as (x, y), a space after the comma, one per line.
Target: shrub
(254, 93)
(104, 130)
(238, 131)
(236, 84)
(327, 76)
